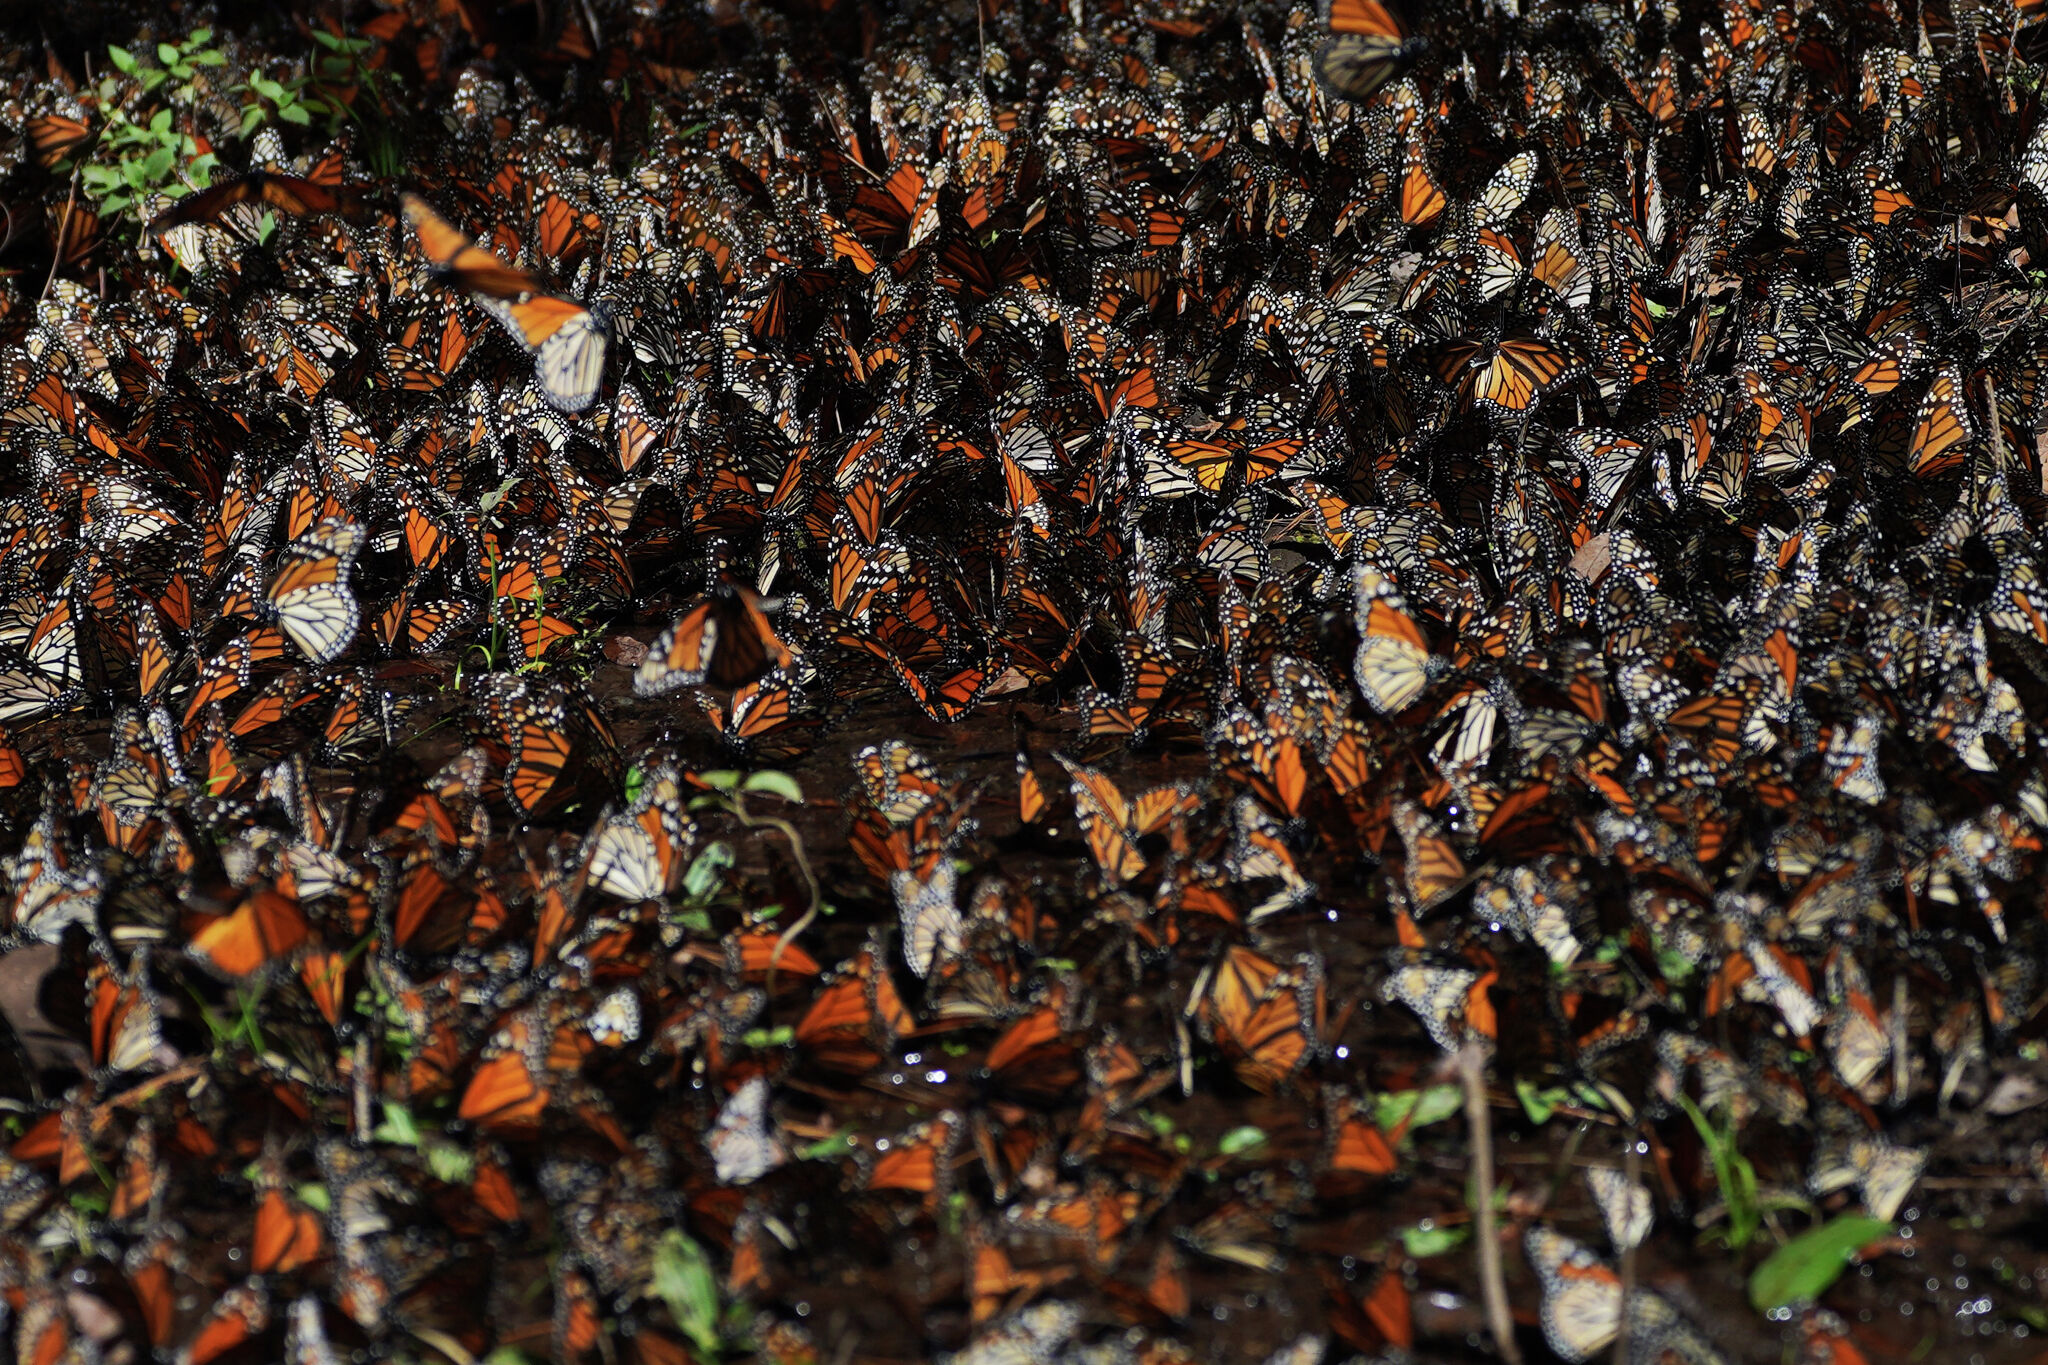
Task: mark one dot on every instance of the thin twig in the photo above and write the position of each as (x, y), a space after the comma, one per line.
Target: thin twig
(803, 865)
(1632, 1166)
(63, 231)
(1902, 1063)
(1471, 1064)
(359, 1087)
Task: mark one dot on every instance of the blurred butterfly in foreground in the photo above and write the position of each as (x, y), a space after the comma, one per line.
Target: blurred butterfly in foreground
(284, 193)
(566, 339)
(1367, 47)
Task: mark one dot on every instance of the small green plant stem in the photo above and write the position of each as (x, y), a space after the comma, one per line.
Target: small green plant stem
(803, 866)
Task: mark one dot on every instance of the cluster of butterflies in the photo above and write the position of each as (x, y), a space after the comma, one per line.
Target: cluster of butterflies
(1547, 493)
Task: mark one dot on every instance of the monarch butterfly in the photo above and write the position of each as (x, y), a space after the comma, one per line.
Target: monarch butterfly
(1356, 1147)
(287, 1235)
(900, 783)
(765, 718)
(285, 193)
(236, 1317)
(615, 1021)
(1856, 1036)
(726, 639)
(1882, 1171)
(578, 1328)
(1625, 1206)
(1270, 761)
(637, 855)
(1507, 376)
(1422, 199)
(1113, 824)
(261, 930)
(1714, 722)
(126, 1020)
(512, 1085)
(1392, 664)
(53, 137)
(1039, 1056)
(1431, 869)
(1452, 1002)
(1942, 430)
(1506, 191)
(750, 953)
(1154, 690)
(1367, 47)
(1031, 797)
(856, 1019)
(309, 596)
(1266, 1019)
(1583, 1302)
(567, 340)
(929, 914)
(1215, 464)
(743, 1147)
(24, 694)
(918, 1160)
(947, 691)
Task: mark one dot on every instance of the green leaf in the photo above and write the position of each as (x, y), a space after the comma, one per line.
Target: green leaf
(158, 164)
(200, 38)
(824, 1149)
(123, 60)
(314, 1197)
(1421, 1108)
(1240, 1140)
(1539, 1105)
(267, 88)
(398, 1128)
(450, 1164)
(1426, 1239)
(1801, 1270)
(780, 1036)
(166, 54)
(721, 779)
(293, 113)
(683, 1280)
(775, 784)
(208, 58)
(160, 122)
(707, 870)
